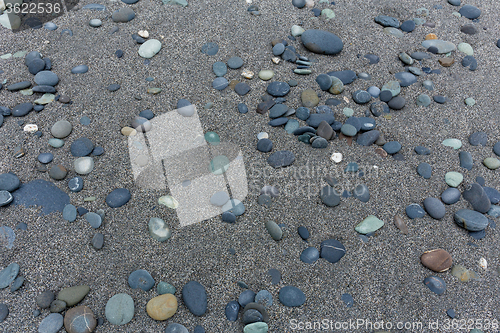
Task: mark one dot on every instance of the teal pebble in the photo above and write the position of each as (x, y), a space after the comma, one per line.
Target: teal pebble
(165, 288)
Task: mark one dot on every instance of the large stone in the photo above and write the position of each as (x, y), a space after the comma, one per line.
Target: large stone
(73, 295)
(195, 298)
(471, 220)
(323, 42)
(437, 260)
(80, 319)
(123, 15)
(162, 307)
(150, 48)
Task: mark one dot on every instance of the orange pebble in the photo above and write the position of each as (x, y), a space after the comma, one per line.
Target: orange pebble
(431, 36)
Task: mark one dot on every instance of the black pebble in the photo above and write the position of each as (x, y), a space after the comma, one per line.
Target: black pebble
(432, 49)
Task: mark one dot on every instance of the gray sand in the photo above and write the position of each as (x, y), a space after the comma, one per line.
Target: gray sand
(384, 275)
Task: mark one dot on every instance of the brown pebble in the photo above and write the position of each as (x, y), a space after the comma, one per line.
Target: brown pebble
(399, 222)
(446, 62)
(381, 152)
(437, 260)
(276, 41)
(80, 317)
(233, 84)
(431, 36)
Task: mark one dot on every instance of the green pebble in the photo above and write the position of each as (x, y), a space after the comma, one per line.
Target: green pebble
(348, 112)
(453, 179)
(302, 71)
(208, 106)
(466, 48)
(266, 74)
(154, 91)
(370, 224)
(45, 99)
(56, 143)
(19, 54)
(212, 138)
(470, 101)
(165, 288)
(6, 56)
(328, 13)
(491, 163)
(259, 327)
(457, 14)
(27, 92)
(423, 100)
(293, 83)
(304, 138)
(89, 199)
(454, 143)
(393, 87)
(393, 31)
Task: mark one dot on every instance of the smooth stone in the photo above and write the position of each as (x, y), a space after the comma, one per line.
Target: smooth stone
(309, 98)
(291, 296)
(437, 260)
(455, 2)
(282, 158)
(337, 86)
(141, 279)
(124, 14)
(174, 327)
(150, 48)
(453, 178)
(81, 147)
(325, 130)
(368, 138)
(370, 224)
(494, 211)
(119, 309)
(18, 281)
(424, 170)
(435, 284)
(470, 61)
(44, 299)
(319, 143)
(8, 274)
(322, 42)
(51, 324)
(165, 288)
(478, 138)
(95, 23)
(265, 145)
(57, 306)
(219, 68)
(36, 65)
(387, 21)
(251, 316)
(246, 297)
(235, 62)
(219, 198)
(195, 298)
(4, 312)
(408, 26)
(346, 76)
(361, 96)
(405, 78)
(265, 298)
(162, 307)
(19, 86)
(393, 86)
(278, 122)
(291, 126)
(274, 230)
(256, 328)
(45, 99)
(9, 182)
(75, 184)
(435, 208)
(414, 211)
(232, 309)
(465, 48)
(469, 29)
(44, 89)
(392, 147)
(80, 320)
(440, 99)
(309, 255)
(61, 129)
(98, 241)
(278, 49)
(266, 75)
(470, 101)
(393, 32)
(277, 110)
(470, 12)
(324, 81)
(80, 69)
(220, 83)
(441, 46)
(477, 197)
(492, 194)
(329, 196)
(47, 78)
(450, 196)
(471, 220)
(73, 295)
(158, 229)
(235, 206)
(400, 224)
(242, 108)
(423, 100)
(94, 219)
(84, 165)
(397, 103)
(491, 163)
(453, 143)
(228, 217)
(69, 213)
(299, 3)
(210, 49)
(315, 120)
(50, 26)
(332, 250)
(118, 197)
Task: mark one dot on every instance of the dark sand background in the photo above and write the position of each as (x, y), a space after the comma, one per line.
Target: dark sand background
(384, 275)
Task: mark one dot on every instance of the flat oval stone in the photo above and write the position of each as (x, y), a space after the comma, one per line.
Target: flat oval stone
(75, 184)
(219, 68)
(174, 327)
(332, 250)
(362, 193)
(119, 309)
(162, 307)
(282, 158)
(210, 49)
(51, 324)
(61, 129)
(58, 172)
(220, 83)
(80, 320)
(277, 110)
(9, 182)
(434, 208)
(466, 161)
(73, 295)
(8, 274)
(370, 224)
(405, 78)
(441, 46)
(46, 78)
(141, 279)
(45, 158)
(246, 297)
(392, 147)
(291, 296)
(235, 62)
(470, 12)
(435, 284)
(492, 194)
(259, 327)
(454, 143)
(264, 145)
(491, 163)
(361, 96)
(266, 75)
(95, 23)
(400, 224)
(118, 197)
(251, 316)
(424, 170)
(81, 147)
(322, 42)
(274, 230)
(329, 196)
(219, 198)
(315, 120)
(278, 89)
(195, 298)
(69, 213)
(496, 148)
(22, 109)
(397, 103)
(150, 48)
(471, 220)
(98, 241)
(265, 298)
(56, 143)
(437, 260)
(415, 211)
(450, 196)
(477, 197)
(124, 14)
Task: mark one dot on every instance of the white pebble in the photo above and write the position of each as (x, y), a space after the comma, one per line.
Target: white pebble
(31, 128)
(262, 135)
(336, 157)
(482, 263)
(143, 33)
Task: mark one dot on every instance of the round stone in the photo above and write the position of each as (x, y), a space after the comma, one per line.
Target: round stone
(309, 255)
(158, 229)
(84, 165)
(264, 297)
(165, 288)
(291, 296)
(141, 279)
(453, 179)
(471, 220)
(95, 220)
(435, 284)
(278, 49)
(437, 260)
(176, 328)
(278, 89)
(61, 129)
(80, 69)
(450, 196)
(81, 147)
(219, 68)
(282, 158)
(56, 143)
(45, 158)
(322, 42)
(124, 14)
(491, 163)
(324, 81)
(58, 172)
(118, 197)
(266, 75)
(75, 184)
(79, 319)
(210, 49)
(162, 307)
(51, 324)
(424, 170)
(361, 96)
(392, 147)
(470, 12)
(434, 208)
(423, 100)
(46, 78)
(332, 250)
(150, 48)
(396, 103)
(220, 83)
(348, 130)
(235, 62)
(337, 86)
(69, 213)
(119, 309)
(264, 145)
(242, 88)
(95, 23)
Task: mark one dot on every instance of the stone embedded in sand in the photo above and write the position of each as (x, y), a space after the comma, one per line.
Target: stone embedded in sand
(437, 260)
(120, 309)
(162, 307)
(441, 45)
(150, 48)
(123, 15)
(322, 42)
